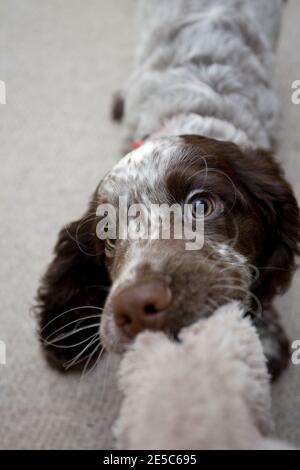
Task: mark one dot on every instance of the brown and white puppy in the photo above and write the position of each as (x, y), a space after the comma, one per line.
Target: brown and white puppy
(252, 234)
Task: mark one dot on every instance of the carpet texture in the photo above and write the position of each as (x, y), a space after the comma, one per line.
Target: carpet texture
(61, 62)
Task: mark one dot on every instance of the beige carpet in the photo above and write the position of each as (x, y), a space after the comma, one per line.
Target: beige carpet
(61, 61)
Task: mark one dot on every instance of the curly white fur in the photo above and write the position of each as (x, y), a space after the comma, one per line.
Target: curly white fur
(209, 391)
(205, 67)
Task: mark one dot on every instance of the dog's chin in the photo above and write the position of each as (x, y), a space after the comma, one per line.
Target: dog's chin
(116, 347)
(113, 340)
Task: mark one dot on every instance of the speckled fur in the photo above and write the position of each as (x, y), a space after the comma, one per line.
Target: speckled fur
(205, 67)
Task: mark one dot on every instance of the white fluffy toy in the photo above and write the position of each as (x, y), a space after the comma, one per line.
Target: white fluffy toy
(210, 390)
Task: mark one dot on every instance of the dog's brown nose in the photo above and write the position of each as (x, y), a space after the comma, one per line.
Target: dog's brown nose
(142, 307)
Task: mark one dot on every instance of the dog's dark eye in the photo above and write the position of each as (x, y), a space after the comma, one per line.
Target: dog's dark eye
(202, 204)
(110, 244)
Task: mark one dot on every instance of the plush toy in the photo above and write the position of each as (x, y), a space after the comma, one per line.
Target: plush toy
(209, 390)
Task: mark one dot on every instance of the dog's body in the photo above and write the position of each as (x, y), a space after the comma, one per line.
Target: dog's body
(203, 67)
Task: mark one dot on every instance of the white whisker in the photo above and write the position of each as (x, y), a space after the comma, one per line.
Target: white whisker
(93, 307)
(67, 335)
(75, 330)
(69, 364)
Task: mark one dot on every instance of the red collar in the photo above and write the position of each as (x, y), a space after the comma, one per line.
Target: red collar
(137, 144)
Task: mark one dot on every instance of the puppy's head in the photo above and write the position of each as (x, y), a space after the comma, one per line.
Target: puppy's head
(251, 234)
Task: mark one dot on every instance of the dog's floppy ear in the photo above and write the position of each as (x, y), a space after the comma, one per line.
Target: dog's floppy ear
(279, 211)
(72, 294)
